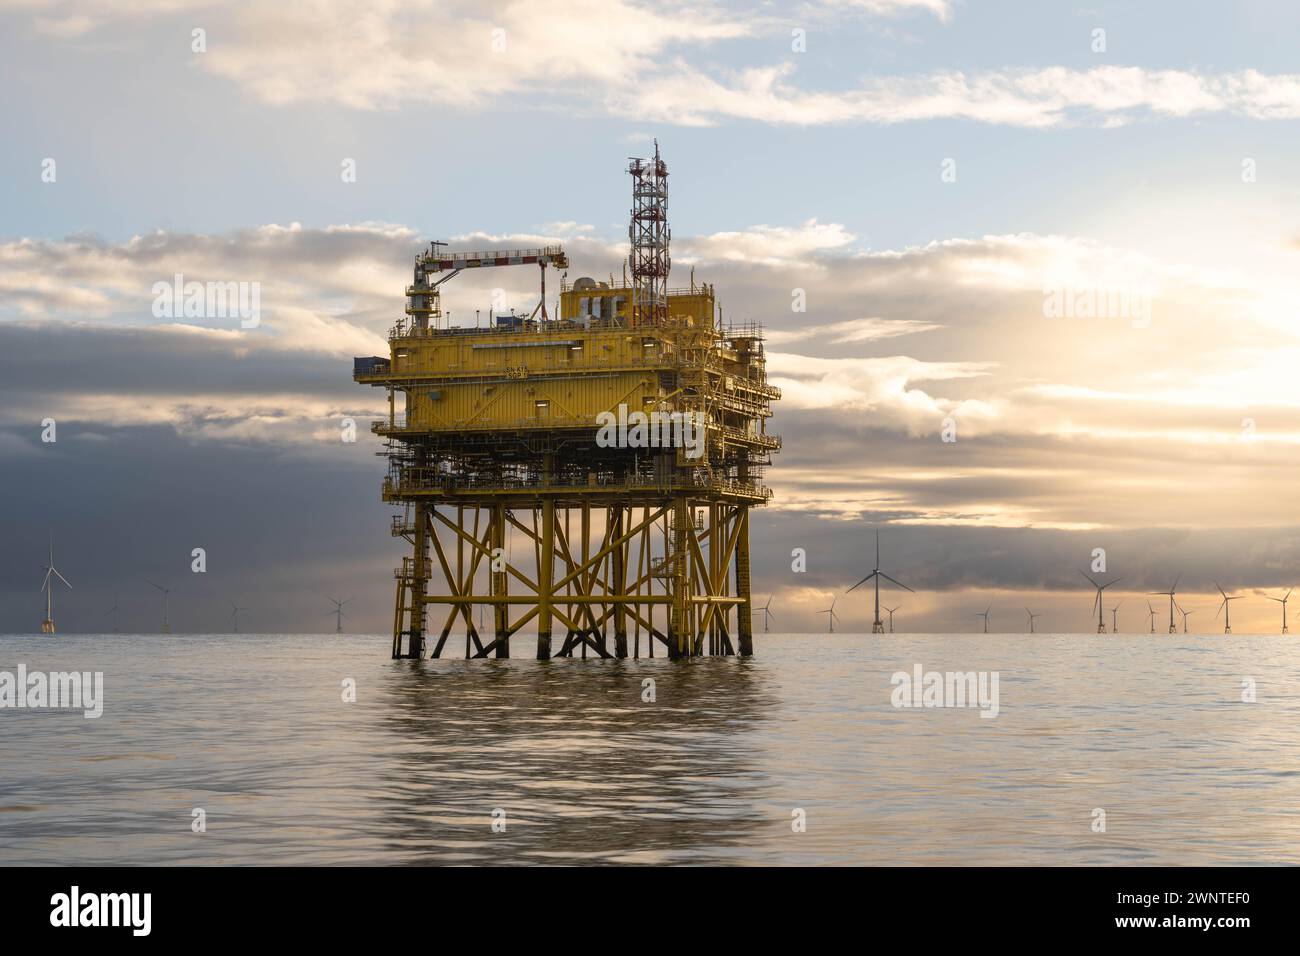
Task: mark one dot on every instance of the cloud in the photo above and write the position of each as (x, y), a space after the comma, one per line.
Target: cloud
(958, 334)
(851, 330)
(314, 284)
(655, 62)
(884, 386)
(765, 245)
(1036, 98)
(942, 9)
(369, 55)
(1080, 430)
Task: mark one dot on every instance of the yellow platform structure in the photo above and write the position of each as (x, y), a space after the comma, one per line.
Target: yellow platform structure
(523, 496)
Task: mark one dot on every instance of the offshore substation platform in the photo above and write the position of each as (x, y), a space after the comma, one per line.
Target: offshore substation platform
(504, 444)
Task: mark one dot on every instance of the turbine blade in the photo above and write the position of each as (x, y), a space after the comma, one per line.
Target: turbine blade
(1089, 577)
(863, 581)
(899, 583)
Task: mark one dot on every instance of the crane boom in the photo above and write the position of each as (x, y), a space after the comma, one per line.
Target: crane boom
(424, 296)
(436, 260)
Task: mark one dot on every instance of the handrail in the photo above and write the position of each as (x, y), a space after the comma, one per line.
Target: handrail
(408, 485)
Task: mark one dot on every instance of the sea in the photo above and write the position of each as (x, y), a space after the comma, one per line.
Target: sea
(269, 749)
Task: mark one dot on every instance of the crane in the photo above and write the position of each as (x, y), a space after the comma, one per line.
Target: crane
(424, 295)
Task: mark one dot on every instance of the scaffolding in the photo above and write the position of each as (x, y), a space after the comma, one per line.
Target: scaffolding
(537, 479)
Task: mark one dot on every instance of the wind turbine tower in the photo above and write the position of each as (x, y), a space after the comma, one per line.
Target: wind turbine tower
(51, 572)
(1032, 615)
(1171, 592)
(1282, 601)
(1226, 609)
(234, 614)
(1114, 618)
(767, 614)
(1096, 604)
(890, 611)
(985, 614)
(877, 626)
(831, 615)
(338, 614)
(166, 627)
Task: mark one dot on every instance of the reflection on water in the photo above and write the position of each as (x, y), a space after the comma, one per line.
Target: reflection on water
(253, 730)
(582, 766)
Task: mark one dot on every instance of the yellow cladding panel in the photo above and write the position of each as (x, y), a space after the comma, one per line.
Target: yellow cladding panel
(525, 353)
(551, 402)
(602, 302)
(511, 380)
(697, 305)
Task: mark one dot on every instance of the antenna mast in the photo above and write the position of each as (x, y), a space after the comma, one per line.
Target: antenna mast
(648, 234)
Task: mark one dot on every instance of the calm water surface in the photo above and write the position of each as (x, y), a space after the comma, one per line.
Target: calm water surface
(253, 729)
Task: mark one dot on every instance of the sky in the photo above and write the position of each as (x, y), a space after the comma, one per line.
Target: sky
(1064, 235)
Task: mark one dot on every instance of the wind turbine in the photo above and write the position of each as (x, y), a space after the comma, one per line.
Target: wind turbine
(1096, 604)
(1223, 606)
(891, 611)
(1152, 612)
(876, 626)
(832, 615)
(1114, 619)
(51, 572)
(113, 611)
(1184, 614)
(167, 628)
(1032, 615)
(1170, 592)
(338, 614)
(985, 614)
(767, 615)
(234, 613)
(1282, 601)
